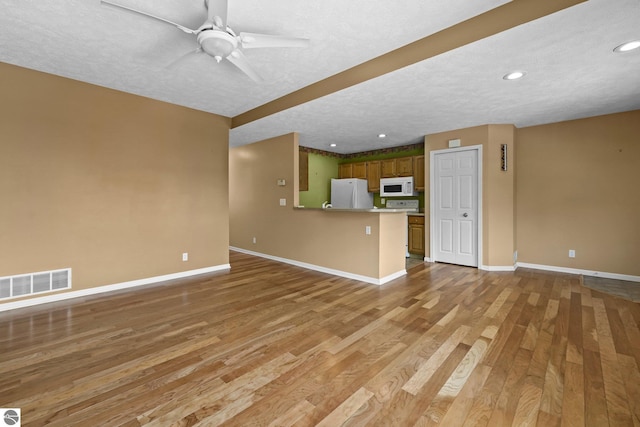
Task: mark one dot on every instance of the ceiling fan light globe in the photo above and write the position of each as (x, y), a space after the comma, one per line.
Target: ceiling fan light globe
(217, 43)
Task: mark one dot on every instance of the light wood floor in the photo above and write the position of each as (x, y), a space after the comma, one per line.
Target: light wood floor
(272, 344)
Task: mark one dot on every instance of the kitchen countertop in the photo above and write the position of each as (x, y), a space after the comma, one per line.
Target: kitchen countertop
(415, 213)
(375, 210)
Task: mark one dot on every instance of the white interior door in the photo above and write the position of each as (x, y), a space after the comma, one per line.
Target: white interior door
(455, 207)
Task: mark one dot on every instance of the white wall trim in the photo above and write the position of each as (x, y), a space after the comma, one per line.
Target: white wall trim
(428, 259)
(497, 267)
(109, 288)
(321, 269)
(606, 275)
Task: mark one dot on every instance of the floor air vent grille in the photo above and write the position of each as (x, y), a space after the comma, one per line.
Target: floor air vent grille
(34, 283)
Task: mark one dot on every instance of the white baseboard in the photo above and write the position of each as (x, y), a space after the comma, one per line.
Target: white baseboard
(592, 273)
(109, 288)
(497, 267)
(427, 259)
(321, 269)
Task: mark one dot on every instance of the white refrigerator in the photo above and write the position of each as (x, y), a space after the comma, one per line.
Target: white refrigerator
(350, 193)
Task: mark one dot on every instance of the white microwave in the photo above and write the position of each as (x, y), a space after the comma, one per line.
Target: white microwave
(397, 187)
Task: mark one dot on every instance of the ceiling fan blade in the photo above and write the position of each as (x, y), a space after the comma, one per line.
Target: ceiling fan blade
(181, 27)
(218, 8)
(238, 59)
(255, 41)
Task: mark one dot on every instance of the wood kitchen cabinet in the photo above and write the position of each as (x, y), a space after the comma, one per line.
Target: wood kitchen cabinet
(418, 173)
(303, 171)
(416, 235)
(353, 170)
(388, 168)
(404, 166)
(373, 176)
(345, 170)
(359, 170)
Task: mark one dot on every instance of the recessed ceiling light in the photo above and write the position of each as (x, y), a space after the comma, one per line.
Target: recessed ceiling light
(626, 47)
(515, 75)
(382, 135)
(333, 145)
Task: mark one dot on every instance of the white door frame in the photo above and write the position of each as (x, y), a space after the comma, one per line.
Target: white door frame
(432, 155)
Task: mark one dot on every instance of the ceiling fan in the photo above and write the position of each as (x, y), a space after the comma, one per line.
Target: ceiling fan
(218, 40)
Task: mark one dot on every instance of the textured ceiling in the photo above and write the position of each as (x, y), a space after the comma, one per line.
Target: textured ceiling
(571, 69)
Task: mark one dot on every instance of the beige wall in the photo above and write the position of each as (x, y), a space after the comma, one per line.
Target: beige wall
(113, 185)
(333, 240)
(498, 189)
(578, 187)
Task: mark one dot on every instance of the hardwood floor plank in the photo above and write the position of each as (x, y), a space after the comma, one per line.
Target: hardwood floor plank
(267, 343)
(443, 400)
(507, 402)
(528, 405)
(573, 397)
(425, 371)
(293, 415)
(347, 409)
(631, 378)
(615, 393)
(460, 407)
(595, 402)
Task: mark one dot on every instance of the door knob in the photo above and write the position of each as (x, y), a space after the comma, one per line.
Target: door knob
(465, 214)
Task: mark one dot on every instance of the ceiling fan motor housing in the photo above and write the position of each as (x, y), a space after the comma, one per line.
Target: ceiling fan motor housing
(217, 43)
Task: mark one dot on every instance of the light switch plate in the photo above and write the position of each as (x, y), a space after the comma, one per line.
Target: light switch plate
(283, 202)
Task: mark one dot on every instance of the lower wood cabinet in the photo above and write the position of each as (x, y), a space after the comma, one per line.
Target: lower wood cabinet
(416, 235)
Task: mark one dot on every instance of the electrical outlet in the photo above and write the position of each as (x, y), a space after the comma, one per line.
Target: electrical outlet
(254, 240)
(283, 202)
(572, 253)
(185, 256)
(383, 201)
(367, 230)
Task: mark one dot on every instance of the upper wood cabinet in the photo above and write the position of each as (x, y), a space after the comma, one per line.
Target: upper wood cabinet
(303, 170)
(418, 173)
(353, 170)
(359, 170)
(404, 166)
(373, 176)
(388, 168)
(345, 170)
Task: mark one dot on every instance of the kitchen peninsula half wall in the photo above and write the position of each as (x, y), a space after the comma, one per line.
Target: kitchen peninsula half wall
(263, 219)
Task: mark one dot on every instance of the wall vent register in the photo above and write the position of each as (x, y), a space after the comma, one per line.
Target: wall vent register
(34, 283)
